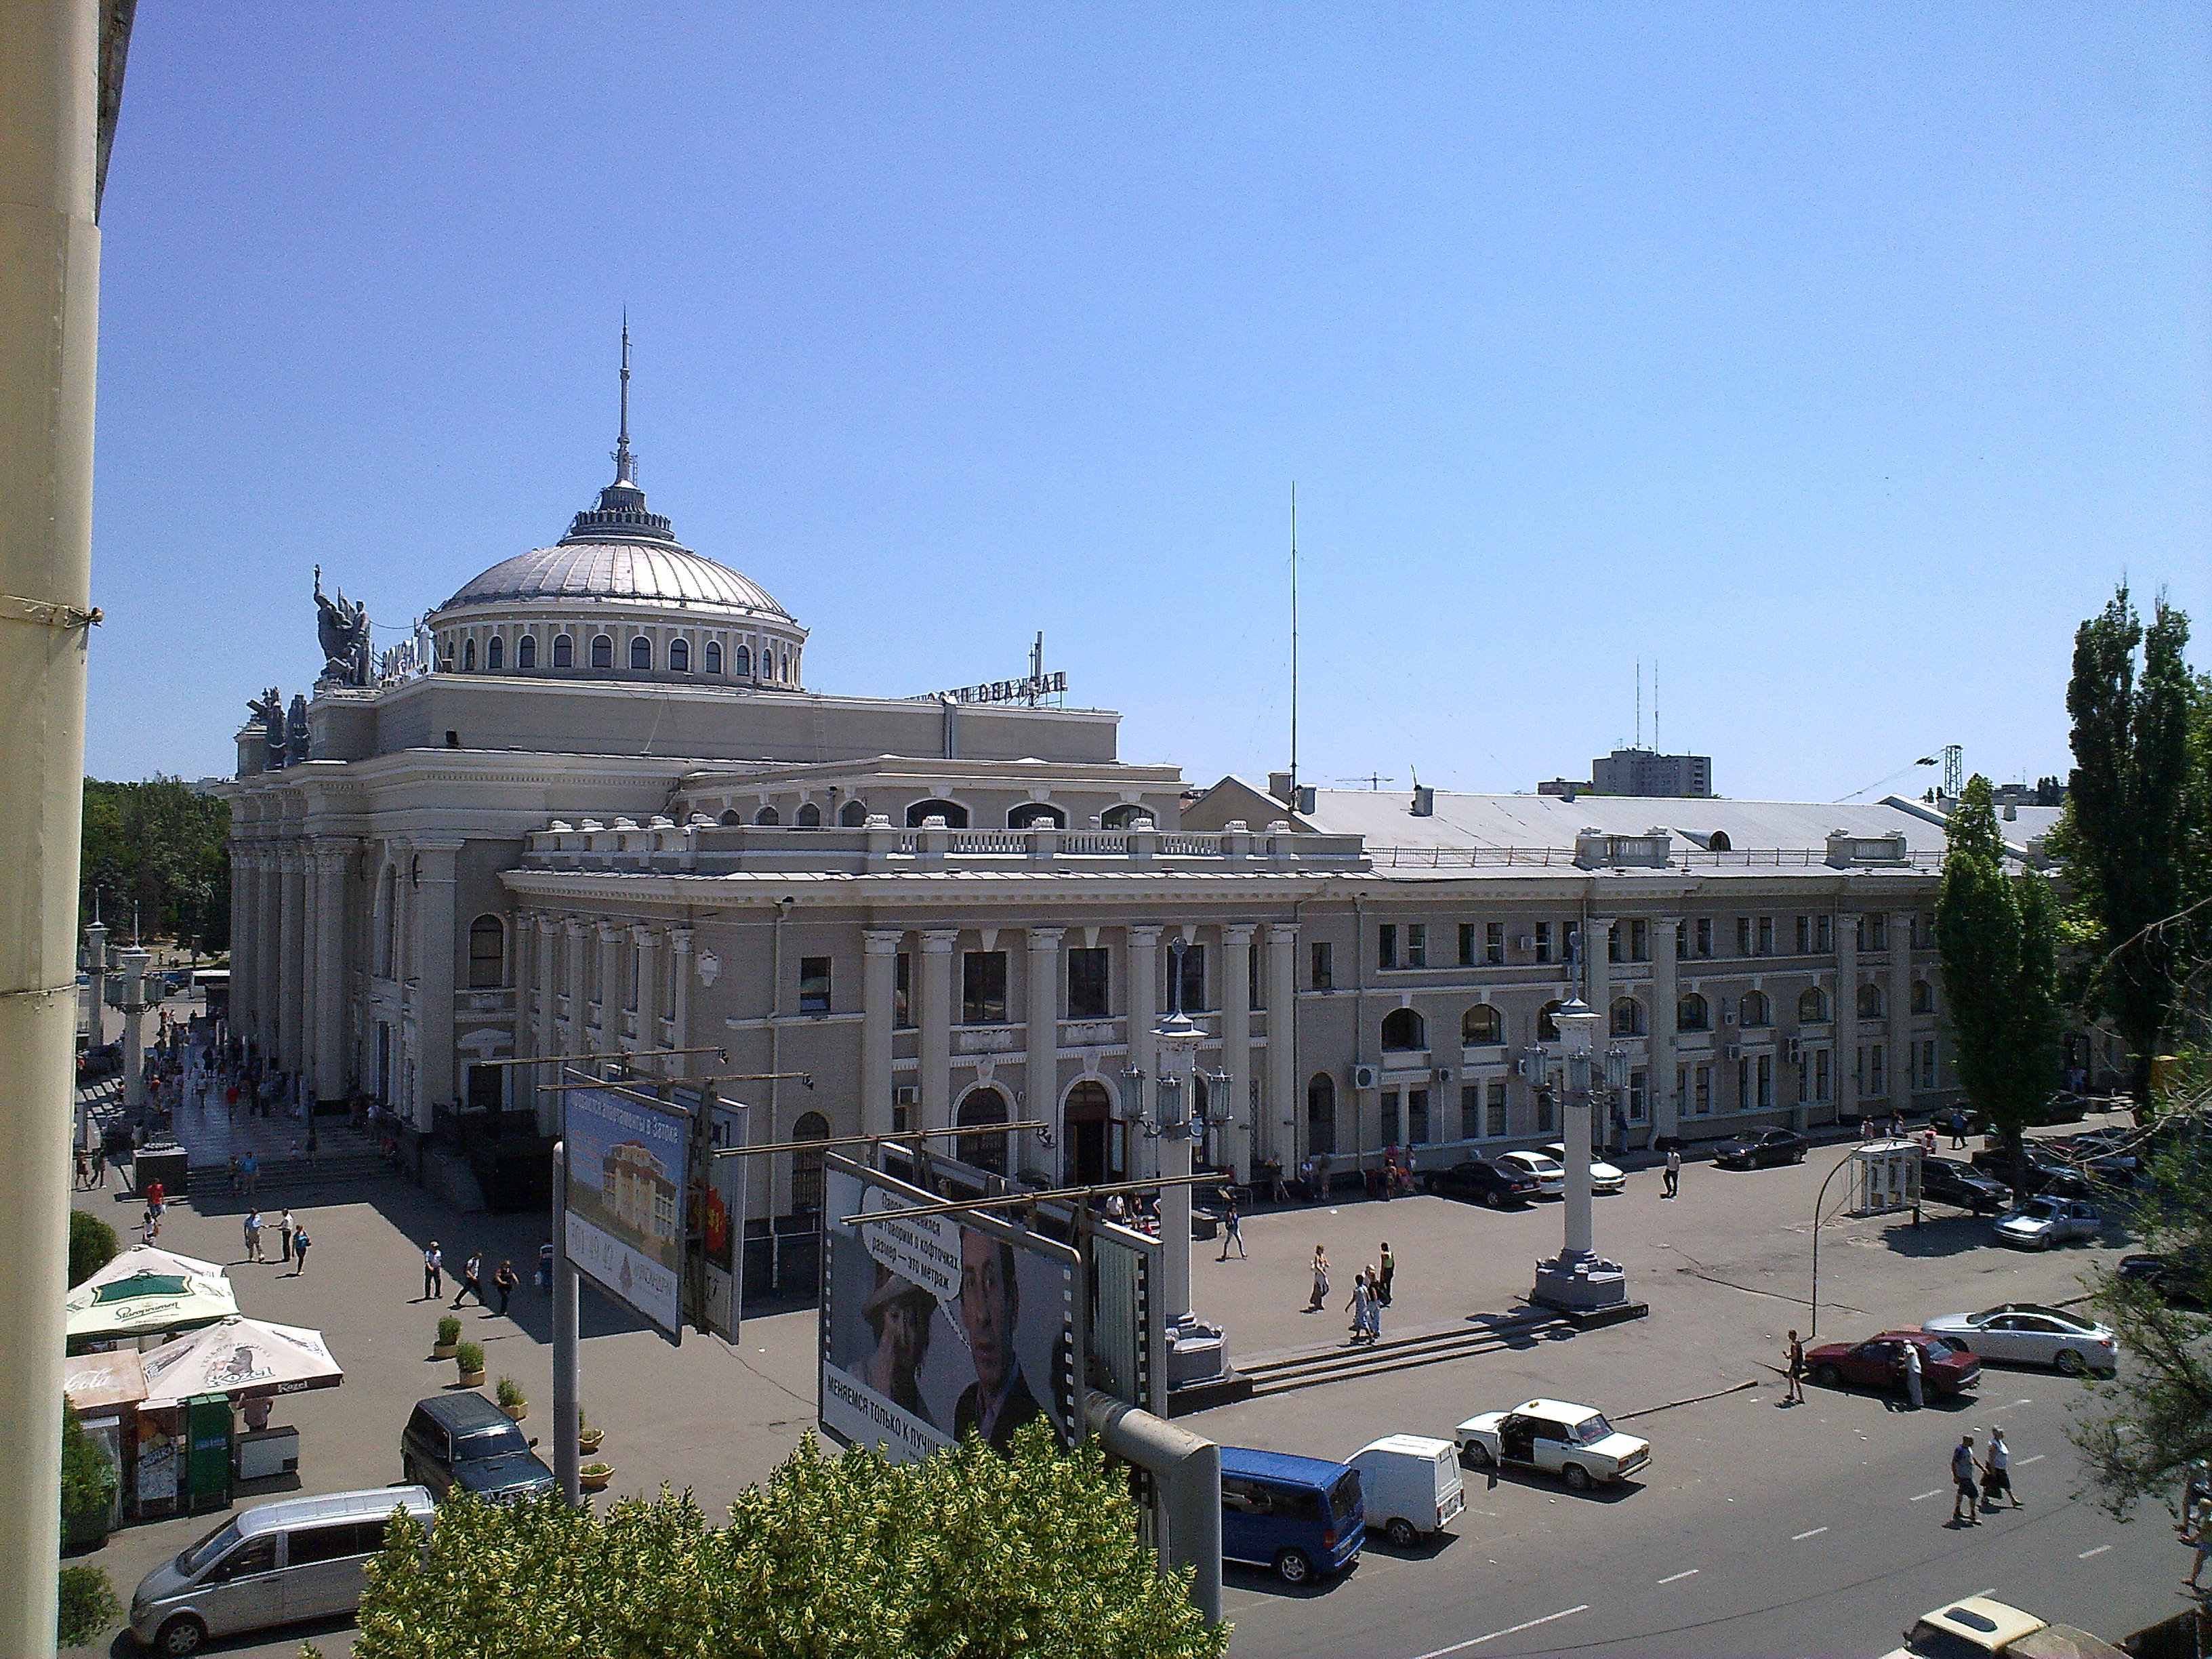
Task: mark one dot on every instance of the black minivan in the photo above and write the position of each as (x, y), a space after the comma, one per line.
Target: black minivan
(464, 1440)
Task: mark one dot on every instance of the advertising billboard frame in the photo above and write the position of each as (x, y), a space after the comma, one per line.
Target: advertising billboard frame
(645, 1267)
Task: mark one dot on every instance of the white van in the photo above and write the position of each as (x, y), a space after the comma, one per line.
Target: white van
(1410, 1486)
(275, 1564)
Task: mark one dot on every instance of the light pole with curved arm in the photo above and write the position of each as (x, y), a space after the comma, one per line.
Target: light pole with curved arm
(1818, 1199)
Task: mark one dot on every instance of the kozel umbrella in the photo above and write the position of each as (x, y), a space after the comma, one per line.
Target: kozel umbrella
(154, 1292)
(243, 1358)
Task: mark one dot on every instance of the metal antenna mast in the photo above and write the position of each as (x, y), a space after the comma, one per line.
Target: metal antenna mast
(623, 465)
(1293, 802)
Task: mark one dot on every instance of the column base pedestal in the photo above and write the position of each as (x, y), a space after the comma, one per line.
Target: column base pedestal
(1582, 1283)
(1200, 1376)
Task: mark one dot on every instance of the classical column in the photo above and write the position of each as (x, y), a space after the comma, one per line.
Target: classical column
(1280, 1102)
(1845, 1024)
(578, 1039)
(1666, 1098)
(1899, 1026)
(435, 895)
(334, 866)
(1597, 973)
(243, 953)
(647, 941)
(1143, 973)
(679, 1004)
(1041, 1080)
(611, 937)
(879, 1013)
(936, 1021)
(1236, 1142)
(292, 960)
(269, 938)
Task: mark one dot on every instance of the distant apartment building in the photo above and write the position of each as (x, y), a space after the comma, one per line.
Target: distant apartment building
(1644, 772)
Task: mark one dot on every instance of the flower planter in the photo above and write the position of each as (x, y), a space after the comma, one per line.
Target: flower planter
(443, 1350)
(588, 1441)
(472, 1379)
(593, 1477)
(518, 1411)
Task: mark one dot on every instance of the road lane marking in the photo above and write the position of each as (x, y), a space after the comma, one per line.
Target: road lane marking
(2038, 1458)
(1671, 1578)
(1995, 1409)
(1930, 1492)
(1476, 1641)
(2085, 1554)
(1799, 1538)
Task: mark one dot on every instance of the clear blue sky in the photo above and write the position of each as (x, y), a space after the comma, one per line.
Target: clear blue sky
(1840, 358)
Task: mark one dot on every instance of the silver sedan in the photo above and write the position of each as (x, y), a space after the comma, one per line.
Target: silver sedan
(2028, 1334)
(1604, 1177)
(2043, 1222)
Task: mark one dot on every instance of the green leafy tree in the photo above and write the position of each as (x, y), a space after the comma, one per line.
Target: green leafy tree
(93, 1244)
(1998, 936)
(164, 847)
(966, 1555)
(2135, 841)
(87, 1477)
(88, 1605)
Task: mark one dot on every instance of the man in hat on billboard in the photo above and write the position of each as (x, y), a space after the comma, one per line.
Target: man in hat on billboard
(999, 1400)
(899, 1312)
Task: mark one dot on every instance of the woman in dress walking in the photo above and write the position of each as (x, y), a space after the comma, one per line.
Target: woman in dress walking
(1320, 1280)
(1362, 1306)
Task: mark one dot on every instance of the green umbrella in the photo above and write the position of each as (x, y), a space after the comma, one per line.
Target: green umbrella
(147, 1302)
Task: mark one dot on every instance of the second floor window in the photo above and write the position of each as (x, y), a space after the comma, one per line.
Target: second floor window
(814, 985)
(1543, 941)
(1087, 984)
(983, 988)
(1639, 941)
(1417, 946)
(1321, 967)
(1193, 978)
(902, 992)
(1386, 945)
(1704, 936)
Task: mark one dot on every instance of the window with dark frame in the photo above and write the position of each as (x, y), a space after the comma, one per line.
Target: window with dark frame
(1543, 941)
(1255, 983)
(1090, 982)
(1194, 979)
(902, 992)
(1493, 945)
(1417, 945)
(1386, 945)
(1322, 963)
(983, 988)
(814, 985)
(1470, 945)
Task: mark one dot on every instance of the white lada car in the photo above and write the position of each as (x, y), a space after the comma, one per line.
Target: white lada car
(1572, 1441)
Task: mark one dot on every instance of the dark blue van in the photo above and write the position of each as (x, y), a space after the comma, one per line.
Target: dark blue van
(1300, 1516)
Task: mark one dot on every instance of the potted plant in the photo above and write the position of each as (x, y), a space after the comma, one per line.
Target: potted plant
(449, 1337)
(509, 1394)
(593, 1477)
(588, 1433)
(469, 1357)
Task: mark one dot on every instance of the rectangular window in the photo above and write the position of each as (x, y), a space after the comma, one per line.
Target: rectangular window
(1682, 940)
(1766, 1083)
(1928, 1064)
(1470, 1111)
(1255, 982)
(983, 988)
(1639, 1096)
(1743, 936)
(1616, 947)
(1417, 1117)
(1877, 929)
(1743, 1083)
(1493, 945)
(1386, 946)
(1804, 936)
(1543, 941)
(1089, 982)
(1704, 936)
(814, 985)
(1824, 938)
(1390, 1118)
(1470, 945)
(1493, 1110)
(1194, 979)
(1804, 1077)
(1877, 1069)
(1766, 936)
(1639, 941)
(1322, 976)
(1417, 946)
(903, 993)
(1823, 1085)
(1704, 1095)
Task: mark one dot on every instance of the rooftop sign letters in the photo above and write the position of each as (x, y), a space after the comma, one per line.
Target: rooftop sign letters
(1023, 690)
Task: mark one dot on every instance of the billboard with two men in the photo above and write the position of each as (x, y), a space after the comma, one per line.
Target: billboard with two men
(935, 1326)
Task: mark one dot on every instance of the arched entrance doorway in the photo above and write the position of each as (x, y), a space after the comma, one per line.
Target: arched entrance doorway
(1089, 1130)
(984, 1151)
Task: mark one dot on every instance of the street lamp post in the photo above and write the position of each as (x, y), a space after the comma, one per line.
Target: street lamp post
(96, 965)
(133, 1003)
(1578, 1280)
(1197, 1352)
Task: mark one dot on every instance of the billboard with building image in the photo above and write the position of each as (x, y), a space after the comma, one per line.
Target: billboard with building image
(629, 1169)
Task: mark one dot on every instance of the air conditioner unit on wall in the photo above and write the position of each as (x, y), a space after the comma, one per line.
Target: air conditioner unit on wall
(1524, 941)
(1734, 1051)
(1443, 1074)
(1362, 1077)
(1789, 1050)
(906, 1095)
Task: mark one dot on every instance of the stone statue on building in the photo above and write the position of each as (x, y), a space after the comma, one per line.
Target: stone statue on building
(268, 709)
(296, 742)
(341, 627)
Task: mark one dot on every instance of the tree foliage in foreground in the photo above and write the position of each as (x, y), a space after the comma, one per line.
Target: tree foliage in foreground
(87, 1606)
(166, 849)
(92, 1245)
(968, 1554)
(2144, 1427)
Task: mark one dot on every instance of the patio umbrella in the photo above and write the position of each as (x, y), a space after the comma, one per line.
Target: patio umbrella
(145, 1259)
(244, 1358)
(147, 1302)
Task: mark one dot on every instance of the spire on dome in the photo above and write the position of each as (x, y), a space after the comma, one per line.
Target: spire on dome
(620, 515)
(624, 466)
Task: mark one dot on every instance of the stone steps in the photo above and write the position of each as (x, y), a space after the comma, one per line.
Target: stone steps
(1311, 1368)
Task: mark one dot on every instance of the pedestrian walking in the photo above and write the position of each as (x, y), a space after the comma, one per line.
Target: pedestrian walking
(100, 1164)
(1866, 1129)
(1927, 1141)
(1362, 1306)
(1232, 1231)
(249, 1170)
(1897, 1126)
(84, 1170)
(286, 1229)
(157, 1199)
(1320, 1280)
(1958, 1129)
(545, 1266)
(471, 1280)
(1793, 1381)
(1910, 1361)
(1389, 1271)
(252, 1226)
(1965, 1494)
(504, 1282)
(2196, 1529)
(1672, 1175)
(434, 1272)
(1117, 1209)
(1306, 1179)
(150, 1224)
(300, 1244)
(1996, 1472)
(1277, 1192)
(236, 1180)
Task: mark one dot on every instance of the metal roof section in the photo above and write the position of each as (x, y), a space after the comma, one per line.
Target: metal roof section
(627, 572)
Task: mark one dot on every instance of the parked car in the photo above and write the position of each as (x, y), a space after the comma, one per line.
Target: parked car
(1878, 1363)
(2098, 1156)
(1550, 1178)
(1748, 1151)
(1481, 1183)
(2029, 1334)
(1300, 1516)
(2180, 1285)
(1409, 1486)
(1946, 1181)
(1572, 1441)
(2044, 1171)
(275, 1564)
(2043, 1222)
(464, 1440)
(1604, 1177)
(1977, 1627)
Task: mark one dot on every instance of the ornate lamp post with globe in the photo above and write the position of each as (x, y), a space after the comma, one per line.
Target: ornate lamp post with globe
(1578, 1280)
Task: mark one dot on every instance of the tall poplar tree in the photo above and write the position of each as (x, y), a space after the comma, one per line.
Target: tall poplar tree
(1998, 938)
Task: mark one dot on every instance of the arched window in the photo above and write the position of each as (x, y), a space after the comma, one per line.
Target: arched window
(853, 814)
(603, 650)
(564, 652)
(954, 814)
(767, 815)
(1870, 1002)
(984, 1151)
(679, 656)
(1692, 1013)
(1924, 997)
(1036, 816)
(1755, 1010)
(1627, 1016)
(733, 816)
(526, 652)
(468, 656)
(785, 676)
(1812, 1006)
(1321, 1114)
(1719, 841)
(486, 953)
(741, 662)
(806, 1167)
(1480, 1026)
(1404, 1028)
(713, 655)
(641, 653)
(809, 817)
(1547, 1029)
(1124, 816)
(494, 654)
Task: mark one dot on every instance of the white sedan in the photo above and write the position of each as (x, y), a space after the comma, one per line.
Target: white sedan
(2044, 1221)
(1572, 1441)
(2028, 1334)
(1604, 1178)
(1549, 1175)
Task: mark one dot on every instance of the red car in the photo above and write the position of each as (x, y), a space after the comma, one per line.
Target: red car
(1879, 1363)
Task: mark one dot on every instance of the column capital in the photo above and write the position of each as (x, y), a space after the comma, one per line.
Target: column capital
(679, 940)
(545, 922)
(881, 941)
(1043, 939)
(647, 936)
(1145, 938)
(1238, 933)
(331, 861)
(939, 941)
(1603, 924)
(609, 931)
(292, 861)
(575, 927)
(1282, 933)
